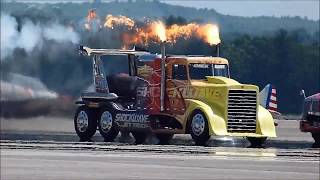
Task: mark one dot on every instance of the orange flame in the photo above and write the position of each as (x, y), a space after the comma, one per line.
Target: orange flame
(210, 33)
(156, 31)
(160, 30)
(91, 15)
(111, 21)
(175, 31)
(92, 20)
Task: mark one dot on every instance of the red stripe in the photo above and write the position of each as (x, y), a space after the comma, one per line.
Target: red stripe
(273, 109)
(273, 101)
(273, 94)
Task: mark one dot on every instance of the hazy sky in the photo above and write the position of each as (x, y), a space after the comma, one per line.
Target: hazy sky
(303, 8)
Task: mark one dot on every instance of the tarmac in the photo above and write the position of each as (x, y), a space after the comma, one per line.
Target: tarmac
(48, 148)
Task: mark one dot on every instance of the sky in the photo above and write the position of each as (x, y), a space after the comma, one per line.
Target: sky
(250, 8)
(247, 8)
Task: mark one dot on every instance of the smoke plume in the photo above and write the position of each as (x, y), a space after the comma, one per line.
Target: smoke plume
(30, 35)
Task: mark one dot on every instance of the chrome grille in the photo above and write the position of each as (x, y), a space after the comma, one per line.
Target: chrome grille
(242, 107)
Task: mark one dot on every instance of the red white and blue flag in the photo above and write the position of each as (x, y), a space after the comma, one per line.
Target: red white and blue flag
(268, 98)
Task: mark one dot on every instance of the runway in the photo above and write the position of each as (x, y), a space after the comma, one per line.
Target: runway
(34, 154)
(92, 161)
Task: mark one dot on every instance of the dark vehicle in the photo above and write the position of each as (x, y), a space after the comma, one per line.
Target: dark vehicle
(311, 117)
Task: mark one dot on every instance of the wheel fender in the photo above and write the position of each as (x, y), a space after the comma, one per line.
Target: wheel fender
(265, 123)
(217, 125)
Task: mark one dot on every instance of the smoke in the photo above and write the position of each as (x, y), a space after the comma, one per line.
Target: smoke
(60, 34)
(31, 35)
(9, 34)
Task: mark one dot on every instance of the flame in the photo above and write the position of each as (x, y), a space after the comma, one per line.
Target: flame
(210, 32)
(207, 32)
(92, 21)
(91, 15)
(151, 32)
(175, 31)
(160, 30)
(111, 21)
(155, 31)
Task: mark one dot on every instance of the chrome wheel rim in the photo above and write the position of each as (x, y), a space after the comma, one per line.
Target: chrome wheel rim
(198, 124)
(82, 121)
(106, 121)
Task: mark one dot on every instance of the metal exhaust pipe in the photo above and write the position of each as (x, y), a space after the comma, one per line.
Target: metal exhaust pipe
(163, 75)
(218, 50)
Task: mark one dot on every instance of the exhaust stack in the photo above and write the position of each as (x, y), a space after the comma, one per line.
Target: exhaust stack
(218, 50)
(163, 75)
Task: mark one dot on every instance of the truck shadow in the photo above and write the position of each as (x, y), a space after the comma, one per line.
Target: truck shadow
(184, 140)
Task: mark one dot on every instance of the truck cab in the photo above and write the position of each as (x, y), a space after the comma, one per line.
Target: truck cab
(310, 121)
(168, 95)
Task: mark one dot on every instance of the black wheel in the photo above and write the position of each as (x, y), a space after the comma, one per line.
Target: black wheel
(256, 142)
(198, 128)
(139, 137)
(107, 127)
(85, 123)
(164, 138)
(316, 137)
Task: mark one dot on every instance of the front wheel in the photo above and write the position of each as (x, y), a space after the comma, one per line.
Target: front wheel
(85, 123)
(199, 128)
(257, 142)
(107, 127)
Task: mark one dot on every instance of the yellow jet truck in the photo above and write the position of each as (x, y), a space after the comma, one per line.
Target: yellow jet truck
(167, 95)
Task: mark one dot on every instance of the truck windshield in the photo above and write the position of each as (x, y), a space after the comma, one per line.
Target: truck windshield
(115, 64)
(200, 71)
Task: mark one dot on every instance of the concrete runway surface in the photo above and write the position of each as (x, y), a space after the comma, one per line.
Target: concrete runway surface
(47, 148)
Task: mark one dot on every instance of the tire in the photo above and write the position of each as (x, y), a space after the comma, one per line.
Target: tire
(139, 137)
(316, 137)
(199, 128)
(85, 123)
(256, 142)
(106, 125)
(164, 138)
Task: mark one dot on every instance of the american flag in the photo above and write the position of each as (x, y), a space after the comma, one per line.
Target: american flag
(272, 100)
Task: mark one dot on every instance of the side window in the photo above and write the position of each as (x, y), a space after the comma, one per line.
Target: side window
(179, 72)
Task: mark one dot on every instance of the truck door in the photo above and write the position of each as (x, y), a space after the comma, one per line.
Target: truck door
(148, 95)
(177, 82)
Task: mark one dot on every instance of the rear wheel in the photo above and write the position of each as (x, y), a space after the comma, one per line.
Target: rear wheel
(257, 142)
(107, 127)
(199, 128)
(316, 137)
(139, 137)
(85, 123)
(164, 138)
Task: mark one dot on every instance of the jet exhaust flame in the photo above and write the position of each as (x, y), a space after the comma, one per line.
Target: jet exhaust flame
(156, 31)
(211, 32)
(92, 21)
(112, 21)
(160, 30)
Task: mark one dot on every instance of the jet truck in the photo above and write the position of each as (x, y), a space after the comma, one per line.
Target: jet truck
(170, 94)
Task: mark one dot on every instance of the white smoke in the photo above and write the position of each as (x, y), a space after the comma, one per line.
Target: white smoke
(9, 34)
(31, 35)
(60, 34)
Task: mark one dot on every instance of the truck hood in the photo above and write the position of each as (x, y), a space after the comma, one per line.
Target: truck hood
(221, 80)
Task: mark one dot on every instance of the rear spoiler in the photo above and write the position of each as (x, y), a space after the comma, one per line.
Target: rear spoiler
(86, 51)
